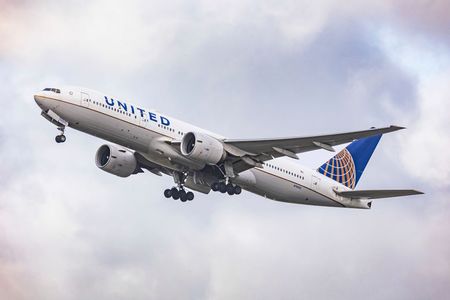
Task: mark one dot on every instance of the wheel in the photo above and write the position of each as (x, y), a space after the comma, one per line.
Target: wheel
(190, 196)
(183, 196)
(168, 193)
(230, 189)
(237, 190)
(175, 194)
(60, 138)
(222, 187)
(215, 186)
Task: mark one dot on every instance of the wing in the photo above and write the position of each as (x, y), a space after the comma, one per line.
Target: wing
(376, 194)
(144, 163)
(252, 152)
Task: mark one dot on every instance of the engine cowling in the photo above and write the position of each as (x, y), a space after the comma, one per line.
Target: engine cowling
(116, 160)
(202, 147)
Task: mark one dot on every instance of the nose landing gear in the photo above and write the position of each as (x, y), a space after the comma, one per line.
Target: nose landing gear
(61, 138)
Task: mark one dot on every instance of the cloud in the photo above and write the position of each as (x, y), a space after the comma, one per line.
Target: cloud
(429, 64)
(71, 231)
(431, 18)
(425, 151)
(95, 32)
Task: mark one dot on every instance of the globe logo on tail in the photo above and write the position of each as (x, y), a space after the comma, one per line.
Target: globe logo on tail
(340, 168)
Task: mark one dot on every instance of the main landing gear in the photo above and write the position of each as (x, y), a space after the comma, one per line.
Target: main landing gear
(61, 138)
(180, 193)
(229, 188)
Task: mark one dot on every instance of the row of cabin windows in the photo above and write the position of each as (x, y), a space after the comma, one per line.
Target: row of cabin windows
(166, 127)
(129, 115)
(285, 171)
(111, 108)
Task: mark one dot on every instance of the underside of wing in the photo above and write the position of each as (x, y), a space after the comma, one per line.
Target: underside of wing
(150, 166)
(376, 194)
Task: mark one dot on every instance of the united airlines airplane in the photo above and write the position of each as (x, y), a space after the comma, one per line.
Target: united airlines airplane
(201, 161)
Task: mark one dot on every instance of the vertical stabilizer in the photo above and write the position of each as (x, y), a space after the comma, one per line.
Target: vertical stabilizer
(347, 166)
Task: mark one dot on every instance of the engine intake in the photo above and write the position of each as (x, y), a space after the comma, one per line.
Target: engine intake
(202, 147)
(116, 160)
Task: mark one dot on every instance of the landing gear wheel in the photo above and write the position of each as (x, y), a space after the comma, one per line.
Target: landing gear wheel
(183, 196)
(215, 186)
(60, 138)
(190, 196)
(222, 187)
(168, 193)
(237, 190)
(230, 189)
(175, 194)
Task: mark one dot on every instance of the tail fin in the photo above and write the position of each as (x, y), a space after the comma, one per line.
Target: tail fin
(347, 166)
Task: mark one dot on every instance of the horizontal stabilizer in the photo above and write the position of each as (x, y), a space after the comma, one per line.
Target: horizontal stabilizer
(376, 194)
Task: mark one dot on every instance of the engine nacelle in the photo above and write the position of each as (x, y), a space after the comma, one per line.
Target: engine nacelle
(116, 160)
(202, 147)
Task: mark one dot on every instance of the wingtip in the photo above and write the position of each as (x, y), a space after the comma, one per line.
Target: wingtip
(395, 127)
(391, 128)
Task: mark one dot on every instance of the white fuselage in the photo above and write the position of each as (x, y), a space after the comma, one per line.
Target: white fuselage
(137, 128)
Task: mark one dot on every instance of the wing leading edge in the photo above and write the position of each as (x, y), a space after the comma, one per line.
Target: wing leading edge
(303, 144)
(259, 150)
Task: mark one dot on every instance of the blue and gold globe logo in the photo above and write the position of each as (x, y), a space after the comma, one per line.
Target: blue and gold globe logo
(341, 168)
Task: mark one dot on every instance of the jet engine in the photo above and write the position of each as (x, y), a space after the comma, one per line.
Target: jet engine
(116, 160)
(202, 147)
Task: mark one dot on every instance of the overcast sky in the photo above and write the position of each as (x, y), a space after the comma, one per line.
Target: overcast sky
(242, 69)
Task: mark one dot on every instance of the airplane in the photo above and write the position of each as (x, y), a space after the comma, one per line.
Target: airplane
(203, 161)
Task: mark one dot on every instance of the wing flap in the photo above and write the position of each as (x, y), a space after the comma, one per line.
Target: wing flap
(376, 194)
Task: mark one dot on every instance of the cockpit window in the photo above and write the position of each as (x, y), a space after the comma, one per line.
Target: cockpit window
(52, 90)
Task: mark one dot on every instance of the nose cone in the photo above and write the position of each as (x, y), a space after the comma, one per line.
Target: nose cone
(39, 99)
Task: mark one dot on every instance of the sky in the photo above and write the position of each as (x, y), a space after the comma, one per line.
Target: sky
(243, 69)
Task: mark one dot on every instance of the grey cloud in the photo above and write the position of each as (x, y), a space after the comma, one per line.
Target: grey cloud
(429, 18)
(72, 231)
(250, 66)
